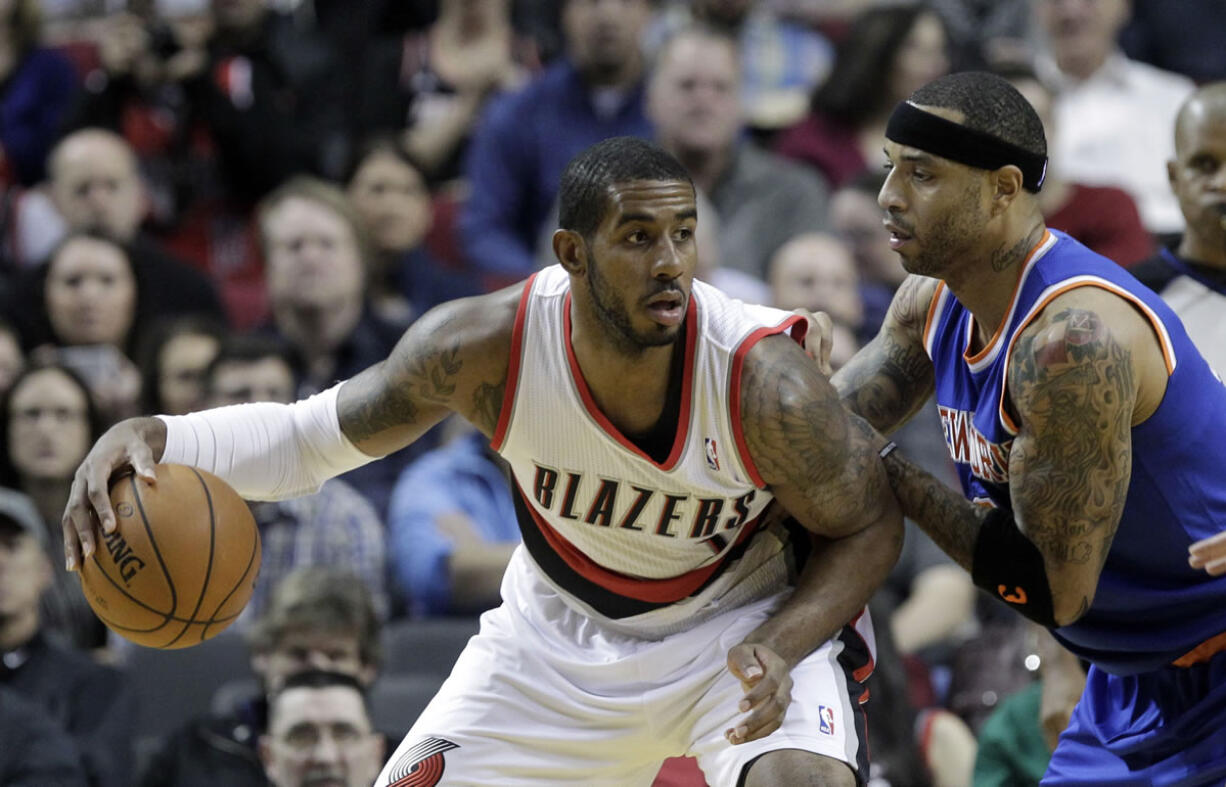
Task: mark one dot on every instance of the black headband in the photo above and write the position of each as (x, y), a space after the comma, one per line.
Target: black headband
(930, 133)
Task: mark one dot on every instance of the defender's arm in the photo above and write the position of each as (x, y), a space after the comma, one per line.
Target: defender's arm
(891, 377)
(1074, 382)
(1076, 389)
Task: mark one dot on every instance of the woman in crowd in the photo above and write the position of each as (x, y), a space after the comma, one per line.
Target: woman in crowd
(404, 278)
(83, 308)
(48, 421)
(889, 52)
(173, 363)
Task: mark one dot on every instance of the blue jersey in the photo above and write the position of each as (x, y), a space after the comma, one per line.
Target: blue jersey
(1150, 607)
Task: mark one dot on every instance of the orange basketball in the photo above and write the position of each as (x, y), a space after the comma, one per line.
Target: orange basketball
(181, 563)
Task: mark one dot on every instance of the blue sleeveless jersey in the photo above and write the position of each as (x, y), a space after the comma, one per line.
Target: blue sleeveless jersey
(1150, 607)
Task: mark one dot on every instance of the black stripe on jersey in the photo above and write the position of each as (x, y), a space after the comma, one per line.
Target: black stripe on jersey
(606, 602)
(856, 657)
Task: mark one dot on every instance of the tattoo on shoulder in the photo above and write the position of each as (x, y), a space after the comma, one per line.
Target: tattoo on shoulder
(1074, 387)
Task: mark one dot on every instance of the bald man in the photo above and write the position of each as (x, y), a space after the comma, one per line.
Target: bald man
(1191, 274)
(95, 185)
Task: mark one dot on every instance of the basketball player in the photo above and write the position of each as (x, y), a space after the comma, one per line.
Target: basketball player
(1088, 433)
(648, 421)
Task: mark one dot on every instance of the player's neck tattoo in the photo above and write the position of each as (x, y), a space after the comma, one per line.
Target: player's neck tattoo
(1003, 257)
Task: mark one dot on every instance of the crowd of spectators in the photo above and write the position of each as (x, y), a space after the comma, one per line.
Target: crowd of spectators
(205, 202)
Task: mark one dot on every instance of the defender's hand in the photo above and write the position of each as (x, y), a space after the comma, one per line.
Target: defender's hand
(819, 340)
(1209, 554)
(127, 444)
(767, 681)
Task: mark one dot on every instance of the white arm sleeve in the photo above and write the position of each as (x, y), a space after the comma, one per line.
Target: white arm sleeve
(266, 451)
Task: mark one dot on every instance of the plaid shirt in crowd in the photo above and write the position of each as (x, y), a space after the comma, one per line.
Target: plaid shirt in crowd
(334, 527)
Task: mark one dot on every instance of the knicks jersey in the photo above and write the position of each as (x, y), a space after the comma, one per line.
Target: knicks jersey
(650, 546)
(1150, 607)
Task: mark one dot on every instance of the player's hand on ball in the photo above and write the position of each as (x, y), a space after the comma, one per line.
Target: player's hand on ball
(768, 691)
(819, 340)
(1209, 554)
(124, 445)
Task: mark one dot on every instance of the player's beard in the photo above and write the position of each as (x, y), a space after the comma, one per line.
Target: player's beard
(945, 243)
(615, 319)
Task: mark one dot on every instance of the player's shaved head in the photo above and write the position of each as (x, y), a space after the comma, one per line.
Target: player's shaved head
(1206, 106)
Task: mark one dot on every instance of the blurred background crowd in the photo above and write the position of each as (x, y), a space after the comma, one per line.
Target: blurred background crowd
(205, 202)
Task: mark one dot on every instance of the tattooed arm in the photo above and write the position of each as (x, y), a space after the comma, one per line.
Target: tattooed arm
(453, 359)
(1076, 385)
(1075, 389)
(826, 473)
(890, 378)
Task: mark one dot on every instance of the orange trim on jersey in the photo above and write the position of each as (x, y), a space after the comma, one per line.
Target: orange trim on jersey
(1168, 352)
(655, 591)
(517, 347)
(930, 320)
(734, 395)
(687, 386)
(1202, 652)
(1000, 329)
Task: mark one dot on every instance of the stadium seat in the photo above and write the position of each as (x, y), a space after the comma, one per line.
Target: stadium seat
(397, 700)
(174, 686)
(427, 647)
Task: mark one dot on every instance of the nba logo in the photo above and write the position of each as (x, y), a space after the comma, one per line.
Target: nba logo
(712, 456)
(825, 719)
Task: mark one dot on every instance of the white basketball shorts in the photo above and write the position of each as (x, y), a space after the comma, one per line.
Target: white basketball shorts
(544, 695)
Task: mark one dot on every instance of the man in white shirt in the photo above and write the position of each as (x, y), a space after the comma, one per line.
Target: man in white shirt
(1114, 115)
(1191, 275)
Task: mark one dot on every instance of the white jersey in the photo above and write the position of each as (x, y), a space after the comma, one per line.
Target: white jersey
(648, 547)
(1200, 310)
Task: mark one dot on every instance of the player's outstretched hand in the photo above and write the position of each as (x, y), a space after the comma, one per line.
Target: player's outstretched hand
(125, 445)
(1209, 554)
(819, 339)
(768, 691)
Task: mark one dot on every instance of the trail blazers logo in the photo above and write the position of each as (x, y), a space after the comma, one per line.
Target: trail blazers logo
(422, 765)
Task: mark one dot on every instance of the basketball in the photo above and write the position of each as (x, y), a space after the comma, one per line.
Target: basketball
(181, 563)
